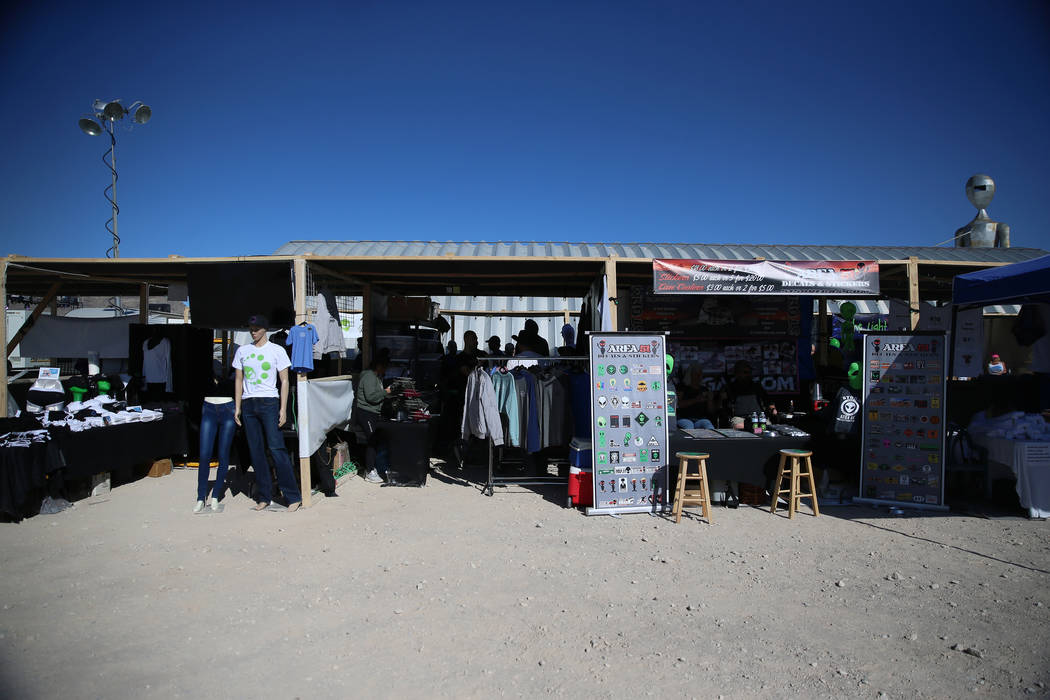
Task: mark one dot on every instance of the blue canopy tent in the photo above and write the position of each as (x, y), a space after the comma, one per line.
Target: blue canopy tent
(1019, 283)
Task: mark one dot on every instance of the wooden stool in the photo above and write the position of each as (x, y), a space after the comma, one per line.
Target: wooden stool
(795, 473)
(701, 497)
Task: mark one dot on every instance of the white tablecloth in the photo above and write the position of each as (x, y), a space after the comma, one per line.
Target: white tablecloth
(1030, 463)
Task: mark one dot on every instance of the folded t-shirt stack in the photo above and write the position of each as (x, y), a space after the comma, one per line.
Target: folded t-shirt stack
(98, 413)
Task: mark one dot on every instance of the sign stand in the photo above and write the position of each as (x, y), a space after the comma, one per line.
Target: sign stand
(902, 443)
(628, 423)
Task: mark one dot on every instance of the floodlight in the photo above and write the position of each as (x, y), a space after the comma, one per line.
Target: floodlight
(90, 126)
(114, 111)
(142, 113)
(103, 120)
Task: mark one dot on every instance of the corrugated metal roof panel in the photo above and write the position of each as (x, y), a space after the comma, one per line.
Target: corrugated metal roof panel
(650, 250)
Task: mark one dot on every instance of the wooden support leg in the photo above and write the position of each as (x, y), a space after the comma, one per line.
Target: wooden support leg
(812, 487)
(793, 496)
(705, 491)
(778, 484)
(679, 492)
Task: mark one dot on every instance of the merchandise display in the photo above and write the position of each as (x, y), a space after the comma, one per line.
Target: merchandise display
(629, 424)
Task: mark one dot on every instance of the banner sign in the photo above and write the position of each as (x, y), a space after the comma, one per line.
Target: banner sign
(629, 422)
(838, 278)
(902, 442)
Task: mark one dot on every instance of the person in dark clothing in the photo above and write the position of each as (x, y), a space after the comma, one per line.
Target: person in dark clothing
(697, 405)
(367, 405)
(531, 336)
(495, 348)
(746, 396)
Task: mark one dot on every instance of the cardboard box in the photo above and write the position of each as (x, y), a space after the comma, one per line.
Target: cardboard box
(161, 467)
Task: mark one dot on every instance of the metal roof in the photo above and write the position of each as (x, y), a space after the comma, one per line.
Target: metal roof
(563, 249)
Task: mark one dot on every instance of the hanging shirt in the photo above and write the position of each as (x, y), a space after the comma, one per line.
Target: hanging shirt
(507, 403)
(156, 363)
(302, 338)
(260, 367)
(480, 415)
(329, 331)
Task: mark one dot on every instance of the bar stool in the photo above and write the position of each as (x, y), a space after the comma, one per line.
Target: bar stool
(701, 497)
(795, 471)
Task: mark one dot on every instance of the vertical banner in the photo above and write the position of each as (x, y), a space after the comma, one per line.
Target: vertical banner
(628, 422)
(902, 443)
(968, 343)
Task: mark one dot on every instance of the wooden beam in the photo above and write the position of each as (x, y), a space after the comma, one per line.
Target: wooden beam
(299, 273)
(51, 294)
(913, 291)
(610, 282)
(366, 326)
(335, 273)
(822, 331)
(3, 334)
(144, 304)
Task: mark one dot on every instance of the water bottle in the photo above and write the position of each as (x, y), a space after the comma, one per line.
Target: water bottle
(754, 423)
(761, 422)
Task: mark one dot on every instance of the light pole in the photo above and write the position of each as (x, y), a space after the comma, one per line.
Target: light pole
(106, 114)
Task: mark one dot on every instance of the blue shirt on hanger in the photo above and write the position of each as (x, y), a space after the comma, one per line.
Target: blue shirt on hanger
(302, 338)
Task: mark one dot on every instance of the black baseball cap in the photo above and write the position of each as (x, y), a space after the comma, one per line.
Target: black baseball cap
(259, 321)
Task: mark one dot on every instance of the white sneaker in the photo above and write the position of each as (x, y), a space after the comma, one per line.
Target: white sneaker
(215, 506)
(199, 507)
(373, 477)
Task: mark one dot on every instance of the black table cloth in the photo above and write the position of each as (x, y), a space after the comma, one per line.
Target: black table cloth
(408, 451)
(748, 460)
(118, 447)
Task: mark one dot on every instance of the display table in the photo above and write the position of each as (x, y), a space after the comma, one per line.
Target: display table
(83, 454)
(1030, 464)
(751, 460)
(116, 447)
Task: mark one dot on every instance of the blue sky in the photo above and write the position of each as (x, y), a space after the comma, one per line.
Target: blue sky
(707, 122)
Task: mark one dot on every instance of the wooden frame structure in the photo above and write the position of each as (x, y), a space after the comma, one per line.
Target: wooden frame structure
(536, 276)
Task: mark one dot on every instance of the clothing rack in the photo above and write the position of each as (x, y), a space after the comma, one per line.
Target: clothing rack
(494, 480)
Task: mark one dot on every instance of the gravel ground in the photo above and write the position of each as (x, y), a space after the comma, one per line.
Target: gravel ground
(443, 592)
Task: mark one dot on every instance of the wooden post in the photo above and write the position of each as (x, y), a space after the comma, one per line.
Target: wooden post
(822, 332)
(144, 304)
(299, 269)
(610, 277)
(3, 334)
(366, 326)
(913, 291)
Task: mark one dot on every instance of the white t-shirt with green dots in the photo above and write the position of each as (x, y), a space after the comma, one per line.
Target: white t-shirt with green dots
(260, 367)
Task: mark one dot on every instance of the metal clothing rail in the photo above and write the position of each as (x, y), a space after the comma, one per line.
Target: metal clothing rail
(494, 480)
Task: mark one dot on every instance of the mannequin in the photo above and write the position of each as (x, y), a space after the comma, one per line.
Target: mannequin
(217, 423)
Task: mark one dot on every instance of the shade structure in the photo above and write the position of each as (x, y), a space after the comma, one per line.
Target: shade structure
(1022, 282)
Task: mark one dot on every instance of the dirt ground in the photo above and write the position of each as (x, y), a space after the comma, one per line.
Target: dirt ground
(443, 592)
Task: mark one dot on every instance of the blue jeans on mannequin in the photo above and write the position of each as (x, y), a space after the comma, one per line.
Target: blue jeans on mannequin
(216, 420)
(259, 417)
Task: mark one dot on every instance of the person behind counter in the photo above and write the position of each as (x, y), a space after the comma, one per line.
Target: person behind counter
(367, 405)
(261, 410)
(746, 396)
(696, 403)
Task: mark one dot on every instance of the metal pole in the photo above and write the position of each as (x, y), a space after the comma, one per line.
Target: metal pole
(113, 169)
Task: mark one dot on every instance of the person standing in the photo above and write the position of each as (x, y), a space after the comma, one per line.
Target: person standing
(495, 348)
(261, 409)
(367, 406)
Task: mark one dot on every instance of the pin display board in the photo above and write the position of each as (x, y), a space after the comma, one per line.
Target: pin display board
(902, 443)
(628, 422)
